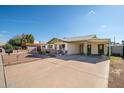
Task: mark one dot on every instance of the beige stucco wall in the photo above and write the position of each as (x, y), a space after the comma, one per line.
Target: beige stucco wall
(105, 49)
(85, 48)
(66, 48)
(73, 48)
(94, 49)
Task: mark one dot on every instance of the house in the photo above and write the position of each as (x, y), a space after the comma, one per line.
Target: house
(36, 46)
(123, 43)
(117, 49)
(85, 45)
(33, 46)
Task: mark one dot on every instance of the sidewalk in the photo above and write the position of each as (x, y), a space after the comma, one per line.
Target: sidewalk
(2, 80)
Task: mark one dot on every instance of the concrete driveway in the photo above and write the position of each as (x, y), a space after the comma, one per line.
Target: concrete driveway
(61, 72)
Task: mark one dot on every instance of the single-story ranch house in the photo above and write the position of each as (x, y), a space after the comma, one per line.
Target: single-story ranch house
(87, 45)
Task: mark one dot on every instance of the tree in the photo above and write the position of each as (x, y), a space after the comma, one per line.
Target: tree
(8, 48)
(15, 42)
(21, 40)
(11, 41)
(27, 38)
(18, 41)
(31, 38)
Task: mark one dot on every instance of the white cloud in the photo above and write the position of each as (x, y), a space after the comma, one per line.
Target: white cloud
(36, 41)
(105, 29)
(103, 26)
(91, 12)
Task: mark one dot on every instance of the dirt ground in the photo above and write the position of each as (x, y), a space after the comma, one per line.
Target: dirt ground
(116, 74)
(13, 59)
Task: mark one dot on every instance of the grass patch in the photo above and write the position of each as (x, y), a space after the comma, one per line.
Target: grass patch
(115, 58)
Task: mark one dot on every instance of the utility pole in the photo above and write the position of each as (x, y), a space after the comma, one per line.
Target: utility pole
(114, 40)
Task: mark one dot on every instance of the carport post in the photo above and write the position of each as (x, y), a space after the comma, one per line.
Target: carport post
(85, 48)
(57, 47)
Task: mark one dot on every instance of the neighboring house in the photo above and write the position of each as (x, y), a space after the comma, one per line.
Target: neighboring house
(117, 49)
(33, 46)
(123, 43)
(44, 46)
(36, 46)
(87, 45)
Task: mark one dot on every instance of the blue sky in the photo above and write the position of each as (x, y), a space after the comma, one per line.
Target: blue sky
(46, 22)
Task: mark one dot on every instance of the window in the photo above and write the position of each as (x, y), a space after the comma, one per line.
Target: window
(50, 46)
(43, 46)
(63, 46)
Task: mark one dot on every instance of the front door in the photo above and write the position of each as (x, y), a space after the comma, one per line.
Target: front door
(55, 46)
(101, 49)
(81, 49)
(88, 49)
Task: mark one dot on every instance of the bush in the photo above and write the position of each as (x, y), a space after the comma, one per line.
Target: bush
(16, 47)
(45, 52)
(48, 52)
(8, 48)
(42, 52)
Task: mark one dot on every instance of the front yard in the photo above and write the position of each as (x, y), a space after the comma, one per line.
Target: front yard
(13, 59)
(90, 65)
(116, 74)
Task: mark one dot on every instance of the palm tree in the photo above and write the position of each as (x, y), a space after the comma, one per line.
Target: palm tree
(31, 38)
(28, 38)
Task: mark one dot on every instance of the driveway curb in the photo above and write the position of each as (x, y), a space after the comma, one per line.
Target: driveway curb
(107, 72)
(2, 74)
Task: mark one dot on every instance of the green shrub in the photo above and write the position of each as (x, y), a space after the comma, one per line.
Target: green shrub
(8, 46)
(45, 52)
(48, 52)
(42, 52)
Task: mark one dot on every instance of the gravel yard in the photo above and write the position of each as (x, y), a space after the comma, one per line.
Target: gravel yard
(19, 58)
(116, 74)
